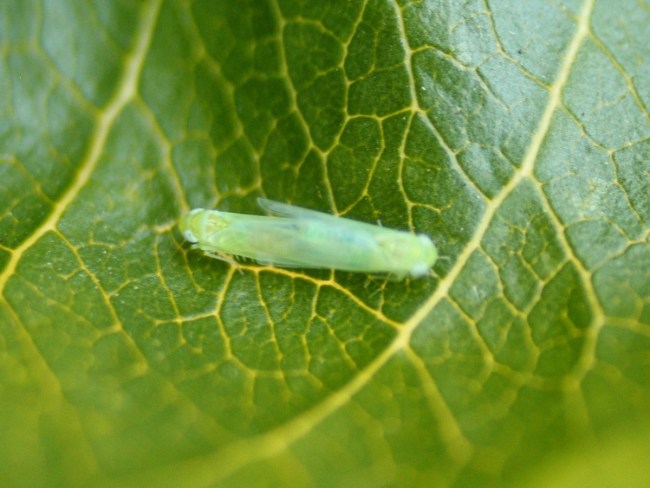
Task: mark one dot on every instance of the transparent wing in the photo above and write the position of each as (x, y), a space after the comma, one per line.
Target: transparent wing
(299, 242)
(291, 211)
(285, 210)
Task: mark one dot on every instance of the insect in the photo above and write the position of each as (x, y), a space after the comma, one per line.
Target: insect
(295, 237)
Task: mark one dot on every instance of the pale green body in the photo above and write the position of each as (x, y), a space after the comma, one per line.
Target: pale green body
(297, 237)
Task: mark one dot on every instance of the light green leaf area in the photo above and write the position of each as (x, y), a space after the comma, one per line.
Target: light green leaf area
(515, 133)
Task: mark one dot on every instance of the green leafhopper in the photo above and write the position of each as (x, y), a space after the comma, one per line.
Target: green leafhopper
(301, 238)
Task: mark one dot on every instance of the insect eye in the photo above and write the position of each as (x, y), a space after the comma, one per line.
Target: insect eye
(419, 269)
(425, 240)
(189, 236)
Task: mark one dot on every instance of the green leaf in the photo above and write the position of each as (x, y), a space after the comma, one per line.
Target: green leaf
(516, 134)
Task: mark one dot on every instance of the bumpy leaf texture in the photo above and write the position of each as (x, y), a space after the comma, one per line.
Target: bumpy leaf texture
(515, 133)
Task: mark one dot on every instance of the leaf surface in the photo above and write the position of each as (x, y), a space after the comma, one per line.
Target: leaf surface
(515, 134)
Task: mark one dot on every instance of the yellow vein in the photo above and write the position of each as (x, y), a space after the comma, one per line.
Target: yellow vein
(526, 171)
(126, 90)
(207, 470)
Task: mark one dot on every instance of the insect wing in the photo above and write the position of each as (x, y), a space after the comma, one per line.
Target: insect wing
(274, 241)
(311, 243)
(292, 211)
(285, 210)
(335, 242)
